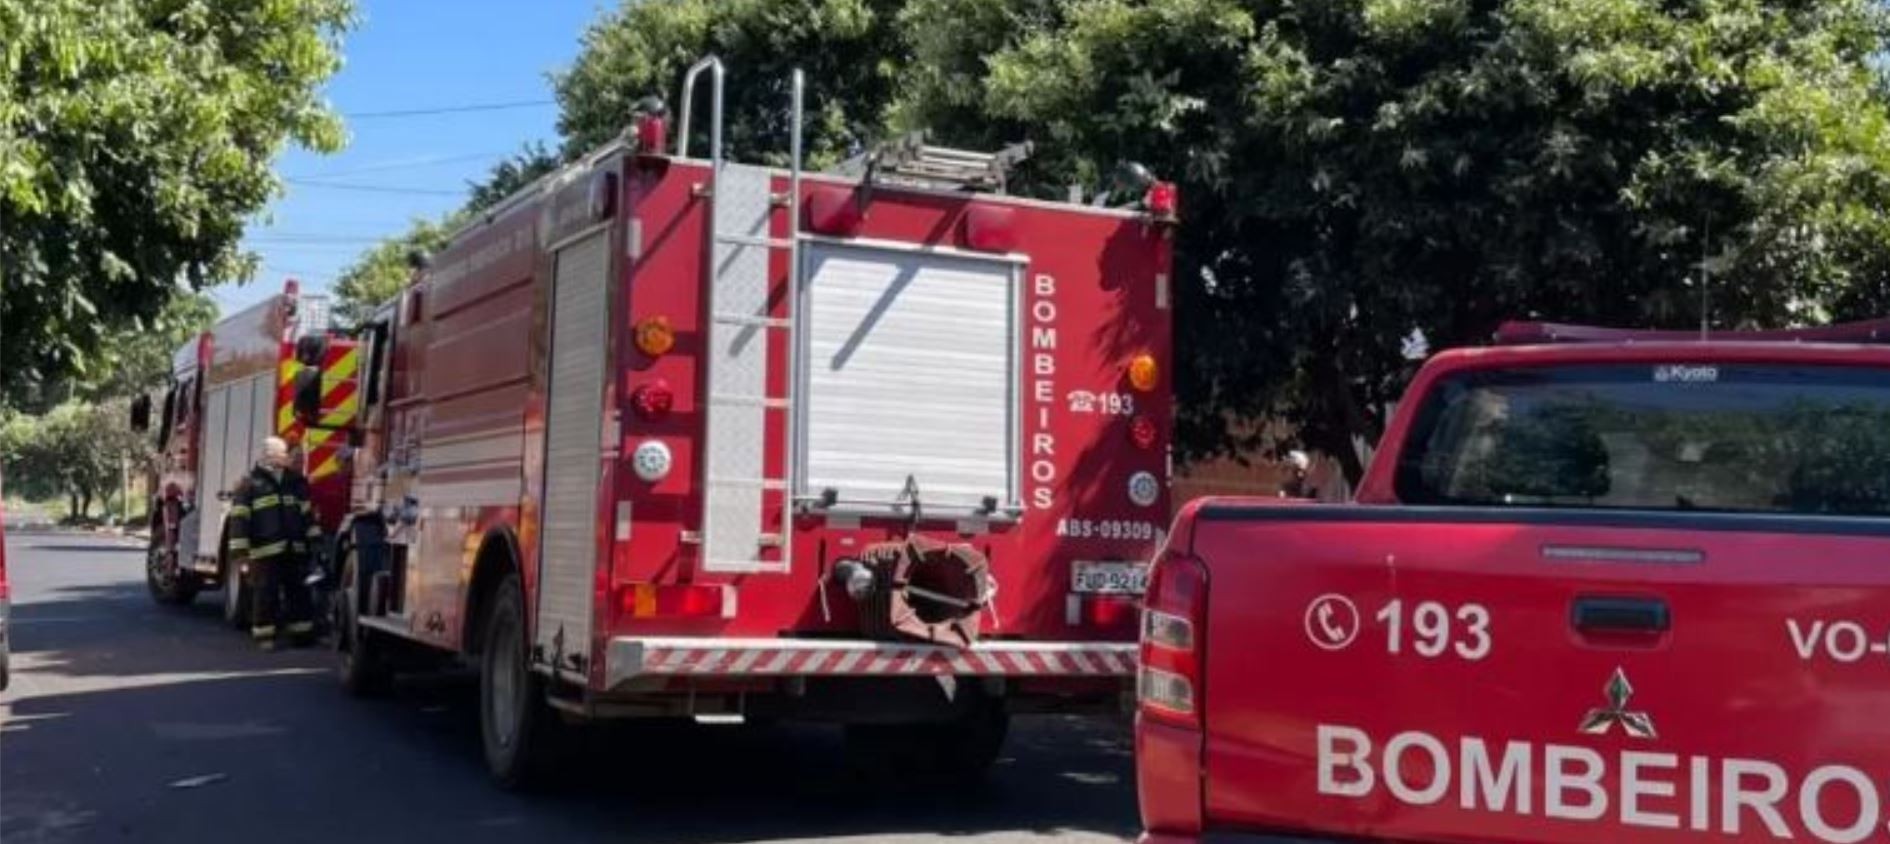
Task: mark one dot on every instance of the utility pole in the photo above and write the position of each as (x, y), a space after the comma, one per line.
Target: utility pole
(1706, 279)
(124, 490)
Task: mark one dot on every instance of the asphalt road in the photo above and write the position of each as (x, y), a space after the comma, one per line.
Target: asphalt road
(132, 722)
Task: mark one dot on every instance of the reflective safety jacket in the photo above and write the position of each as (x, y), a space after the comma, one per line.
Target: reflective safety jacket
(271, 516)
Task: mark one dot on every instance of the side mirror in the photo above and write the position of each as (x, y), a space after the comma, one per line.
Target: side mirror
(141, 413)
(308, 394)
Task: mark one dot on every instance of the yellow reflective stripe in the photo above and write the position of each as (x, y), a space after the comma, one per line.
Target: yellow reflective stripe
(270, 550)
(264, 632)
(238, 543)
(264, 502)
(239, 510)
(314, 531)
(301, 627)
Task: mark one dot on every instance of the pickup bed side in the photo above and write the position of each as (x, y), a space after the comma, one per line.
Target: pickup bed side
(1677, 630)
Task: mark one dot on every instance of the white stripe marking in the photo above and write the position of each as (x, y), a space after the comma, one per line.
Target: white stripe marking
(774, 662)
(743, 662)
(847, 662)
(1082, 663)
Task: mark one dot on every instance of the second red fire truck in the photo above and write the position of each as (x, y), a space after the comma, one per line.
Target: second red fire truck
(673, 436)
(273, 369)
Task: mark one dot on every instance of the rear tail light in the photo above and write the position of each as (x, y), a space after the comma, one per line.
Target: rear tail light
(1144, 373)
(1142, 432)
(655, 337)
(1172, 650)
(653, 401)
(676, 600)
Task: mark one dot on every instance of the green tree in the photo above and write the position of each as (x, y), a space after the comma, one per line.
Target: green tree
(850, 49)
(510, 175)
(136, 137)
(1358, 170)
(382, 271)
(132, 359)
(1356, 173)
(78, 449)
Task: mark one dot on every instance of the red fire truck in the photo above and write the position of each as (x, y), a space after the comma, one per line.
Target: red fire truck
(664, 435)
(272, 369)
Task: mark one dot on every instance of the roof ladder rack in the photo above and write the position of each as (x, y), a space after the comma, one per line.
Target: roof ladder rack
(908, 160)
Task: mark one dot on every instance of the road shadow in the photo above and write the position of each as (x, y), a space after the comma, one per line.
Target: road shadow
(289, 758)
(117, 697)
(117, 630)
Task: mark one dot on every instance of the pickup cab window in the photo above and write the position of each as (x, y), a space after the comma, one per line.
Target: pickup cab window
(1743, 438)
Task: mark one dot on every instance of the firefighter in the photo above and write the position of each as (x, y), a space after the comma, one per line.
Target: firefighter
(273, 527)
(1297, 485)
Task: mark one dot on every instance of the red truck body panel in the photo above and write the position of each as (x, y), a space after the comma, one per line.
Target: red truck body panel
(1383, 671)
(467, 403)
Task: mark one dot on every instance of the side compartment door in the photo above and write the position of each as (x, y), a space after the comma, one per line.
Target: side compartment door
(573, 453)
(215, 423)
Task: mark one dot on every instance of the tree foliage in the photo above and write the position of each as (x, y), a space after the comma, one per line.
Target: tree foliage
(77, 450)
(850, 50)
(136, 136)
(131, 360)
(1358, 173)
(511, 175)
(1359, 170)
(382, 271)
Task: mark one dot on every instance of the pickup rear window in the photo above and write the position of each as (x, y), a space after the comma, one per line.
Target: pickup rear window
(1747, 438)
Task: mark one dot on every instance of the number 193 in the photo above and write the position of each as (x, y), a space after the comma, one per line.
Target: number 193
(1435, 629)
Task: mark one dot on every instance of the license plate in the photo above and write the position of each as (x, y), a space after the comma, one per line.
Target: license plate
(1108, 578)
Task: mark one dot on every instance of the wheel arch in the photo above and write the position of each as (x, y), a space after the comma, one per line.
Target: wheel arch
(498, 556)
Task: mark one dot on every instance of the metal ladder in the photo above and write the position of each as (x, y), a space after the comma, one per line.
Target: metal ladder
(909, 160)
(741, 206)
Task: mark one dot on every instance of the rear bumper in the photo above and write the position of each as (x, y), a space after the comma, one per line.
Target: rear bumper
(635, 658)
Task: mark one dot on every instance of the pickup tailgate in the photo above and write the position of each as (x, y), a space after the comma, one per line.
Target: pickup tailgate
(1460, 674)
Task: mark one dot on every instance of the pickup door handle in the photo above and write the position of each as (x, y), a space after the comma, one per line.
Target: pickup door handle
(1633, 615)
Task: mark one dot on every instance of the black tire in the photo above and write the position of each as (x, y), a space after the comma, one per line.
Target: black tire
(235, 592)
(959, 752)
(169, 584)
(523, 736)
(363, 663)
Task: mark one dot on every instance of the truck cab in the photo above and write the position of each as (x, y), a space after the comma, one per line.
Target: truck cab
(1596, 586)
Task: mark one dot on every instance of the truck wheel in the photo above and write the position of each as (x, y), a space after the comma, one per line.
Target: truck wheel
(520, 731)
(958, 752)
(235, 594)
(364, 666)
(168, 584)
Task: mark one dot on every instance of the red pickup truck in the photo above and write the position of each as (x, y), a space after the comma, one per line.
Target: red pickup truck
(1596, 587)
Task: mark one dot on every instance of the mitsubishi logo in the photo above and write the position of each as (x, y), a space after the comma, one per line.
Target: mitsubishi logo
(1599, 721)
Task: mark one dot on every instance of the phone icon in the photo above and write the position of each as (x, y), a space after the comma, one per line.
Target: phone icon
(1329, 626)
(1331, 622)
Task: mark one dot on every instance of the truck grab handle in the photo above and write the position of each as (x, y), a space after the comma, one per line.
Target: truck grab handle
(713, 64)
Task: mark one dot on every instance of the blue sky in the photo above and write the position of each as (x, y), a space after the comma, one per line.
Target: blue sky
(413, 55)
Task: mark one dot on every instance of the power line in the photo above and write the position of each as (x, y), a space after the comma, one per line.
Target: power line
(321, 183)
(456, 109)
(298, 237)
(406, 164)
